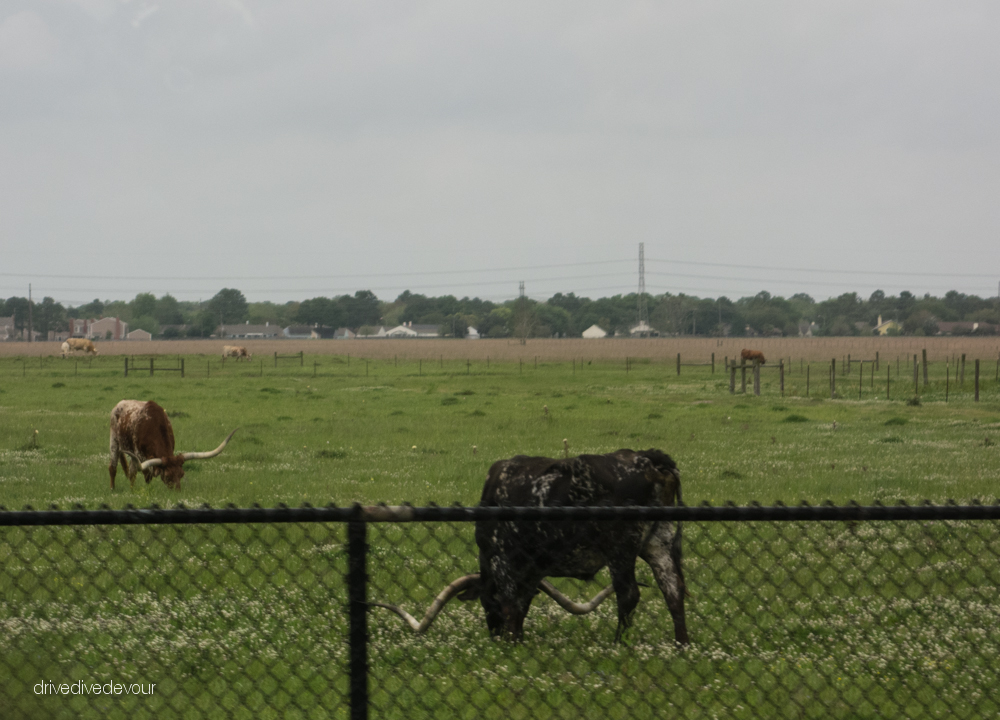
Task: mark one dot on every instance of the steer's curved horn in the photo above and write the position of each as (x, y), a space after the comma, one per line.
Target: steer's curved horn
(457, 586)
(210, 454)
(574, 607)
(439, 602)
(144, 465)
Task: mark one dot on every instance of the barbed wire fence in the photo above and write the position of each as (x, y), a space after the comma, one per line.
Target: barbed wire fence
(282, 613)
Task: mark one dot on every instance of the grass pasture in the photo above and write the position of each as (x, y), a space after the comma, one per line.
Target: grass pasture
(803, 620)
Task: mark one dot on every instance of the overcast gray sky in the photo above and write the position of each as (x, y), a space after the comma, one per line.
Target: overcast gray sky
(294, 149)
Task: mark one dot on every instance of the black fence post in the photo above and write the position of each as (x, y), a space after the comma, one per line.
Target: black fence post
(357, 599)
(150, 367)
(126, 366)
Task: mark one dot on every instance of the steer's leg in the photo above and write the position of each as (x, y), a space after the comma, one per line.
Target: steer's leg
(663, 553)
(626, 591)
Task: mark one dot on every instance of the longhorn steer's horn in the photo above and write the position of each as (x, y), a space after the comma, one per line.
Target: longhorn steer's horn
(574, 607)
(456, 587)
(210, 454)
(439, 602)
(144, 465)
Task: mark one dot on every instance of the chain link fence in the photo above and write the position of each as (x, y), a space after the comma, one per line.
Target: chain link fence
(798, 612)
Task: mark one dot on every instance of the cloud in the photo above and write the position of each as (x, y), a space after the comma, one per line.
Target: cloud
(26, 43)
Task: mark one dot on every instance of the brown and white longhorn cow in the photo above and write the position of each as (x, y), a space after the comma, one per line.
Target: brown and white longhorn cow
(236, 351)
(142, 431)
(73, 344)
(516, 556)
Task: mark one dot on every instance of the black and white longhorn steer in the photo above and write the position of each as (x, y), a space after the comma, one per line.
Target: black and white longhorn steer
(516, 556)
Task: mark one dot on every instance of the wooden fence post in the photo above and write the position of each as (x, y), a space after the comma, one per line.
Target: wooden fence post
(756, 378)
(743, 376)
(678, 364)
(275, 358)
(713, 363)
(182, 367)
(732, 379)
(876, 360)
(977, 379)
(302, 358)
(848, 370)
(126, 366)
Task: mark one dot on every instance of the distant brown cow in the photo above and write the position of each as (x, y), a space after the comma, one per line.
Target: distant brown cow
(73, 344)
(142, 431)
(236, 351)
(752, 355)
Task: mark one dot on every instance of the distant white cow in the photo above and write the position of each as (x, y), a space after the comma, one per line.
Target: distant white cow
(235, 351)
(73, 344)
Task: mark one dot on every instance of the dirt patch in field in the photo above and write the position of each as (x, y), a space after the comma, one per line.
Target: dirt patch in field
(692, 350)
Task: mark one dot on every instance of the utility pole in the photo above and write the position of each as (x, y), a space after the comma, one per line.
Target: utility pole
(643, 311)
(30, 333)
(520, 288)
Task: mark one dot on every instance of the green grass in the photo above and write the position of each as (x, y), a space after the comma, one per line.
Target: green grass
(396, 435)
(790, 620)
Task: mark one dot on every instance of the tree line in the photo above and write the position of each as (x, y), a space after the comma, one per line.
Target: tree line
(562, 315)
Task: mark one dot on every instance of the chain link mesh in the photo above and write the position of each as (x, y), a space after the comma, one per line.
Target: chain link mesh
(223, 621)
(871, 619)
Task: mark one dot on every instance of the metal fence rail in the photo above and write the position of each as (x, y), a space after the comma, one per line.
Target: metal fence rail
(793, 612)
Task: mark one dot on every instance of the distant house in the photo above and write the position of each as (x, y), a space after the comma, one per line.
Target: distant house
(7, 328)
(343, 334)
(100, 329)
(883, 328)
(642, 330)
(248, 331)
(139, 334)
(594, 332)
(966, 328)
(414, 331)
(80, 327)
(471, 333)
(369, 331)
(807, 328)
(307, 332)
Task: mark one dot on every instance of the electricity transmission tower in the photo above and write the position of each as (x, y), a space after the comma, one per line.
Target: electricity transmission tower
(643, 318)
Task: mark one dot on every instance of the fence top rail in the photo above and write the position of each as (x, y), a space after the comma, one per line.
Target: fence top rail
(407, 513)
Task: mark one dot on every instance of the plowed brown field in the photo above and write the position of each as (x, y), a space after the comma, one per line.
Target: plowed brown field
(659, 349)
